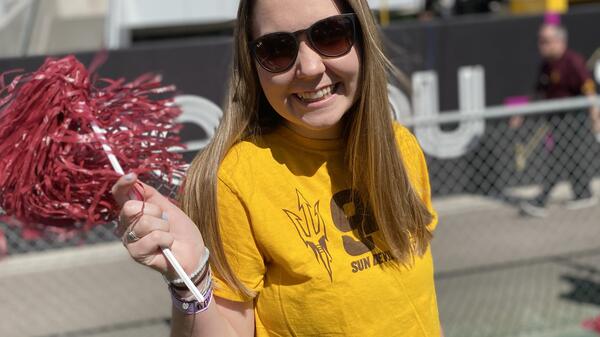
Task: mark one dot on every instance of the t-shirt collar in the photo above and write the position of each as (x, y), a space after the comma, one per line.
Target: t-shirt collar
(309, 143)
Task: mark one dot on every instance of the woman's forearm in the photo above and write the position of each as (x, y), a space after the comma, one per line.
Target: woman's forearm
(210, 323)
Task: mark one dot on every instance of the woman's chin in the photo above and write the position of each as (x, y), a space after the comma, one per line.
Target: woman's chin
(322, 120)
(318, 128)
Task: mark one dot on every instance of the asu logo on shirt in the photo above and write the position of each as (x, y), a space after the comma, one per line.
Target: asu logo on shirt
(312, 230)
(350, 216)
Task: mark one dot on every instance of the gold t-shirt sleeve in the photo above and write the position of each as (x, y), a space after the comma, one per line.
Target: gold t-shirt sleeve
(239, 244)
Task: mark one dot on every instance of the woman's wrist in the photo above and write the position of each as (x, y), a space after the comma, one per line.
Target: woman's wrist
(188, 304)
(194, 276)
(191, 306)
(201, 283)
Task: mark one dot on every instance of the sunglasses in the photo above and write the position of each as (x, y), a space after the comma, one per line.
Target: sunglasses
(331, 37)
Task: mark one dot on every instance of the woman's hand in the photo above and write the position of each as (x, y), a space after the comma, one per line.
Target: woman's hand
(161, 225)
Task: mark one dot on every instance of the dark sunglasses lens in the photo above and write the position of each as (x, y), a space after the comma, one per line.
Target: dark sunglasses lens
(276, 52)
(333, 36)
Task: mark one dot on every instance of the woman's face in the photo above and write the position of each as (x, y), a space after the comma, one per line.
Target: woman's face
(315, 93)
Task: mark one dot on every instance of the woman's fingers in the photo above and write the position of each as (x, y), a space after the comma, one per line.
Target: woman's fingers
(122, 190)
(132, 208)
(149, 221)
(147, 250)
(129, 188)
(133, 211)
(148, 224)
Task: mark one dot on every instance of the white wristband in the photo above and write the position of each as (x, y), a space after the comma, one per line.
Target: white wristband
(195, 273)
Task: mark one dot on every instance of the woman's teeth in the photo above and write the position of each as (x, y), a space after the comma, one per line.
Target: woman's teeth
(316, 95)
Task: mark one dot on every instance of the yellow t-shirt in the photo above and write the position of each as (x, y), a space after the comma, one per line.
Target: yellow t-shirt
(291, 234)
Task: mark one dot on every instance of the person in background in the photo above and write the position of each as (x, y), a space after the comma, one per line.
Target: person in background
(571, 142)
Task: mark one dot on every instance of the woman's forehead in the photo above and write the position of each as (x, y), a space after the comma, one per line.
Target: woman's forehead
(289, 15)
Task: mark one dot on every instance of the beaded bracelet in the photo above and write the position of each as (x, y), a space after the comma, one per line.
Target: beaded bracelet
(192, 306)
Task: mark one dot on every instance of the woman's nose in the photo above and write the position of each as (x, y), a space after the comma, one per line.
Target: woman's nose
(309, 63)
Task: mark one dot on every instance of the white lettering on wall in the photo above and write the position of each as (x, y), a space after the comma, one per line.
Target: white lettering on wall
(202, 112)
(400, 104)
(449, 144)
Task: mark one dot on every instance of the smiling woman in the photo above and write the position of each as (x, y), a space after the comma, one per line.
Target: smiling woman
(313, 96)
(315, 206)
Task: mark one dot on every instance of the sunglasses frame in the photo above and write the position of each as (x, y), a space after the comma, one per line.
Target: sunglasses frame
(253, 44)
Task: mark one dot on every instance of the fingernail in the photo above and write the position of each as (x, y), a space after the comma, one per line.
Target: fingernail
(129, 176)
(165, 216)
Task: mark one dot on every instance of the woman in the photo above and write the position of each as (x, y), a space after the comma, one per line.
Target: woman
(315, 207)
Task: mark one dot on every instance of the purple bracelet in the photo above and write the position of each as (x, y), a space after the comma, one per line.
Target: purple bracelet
(191, 307)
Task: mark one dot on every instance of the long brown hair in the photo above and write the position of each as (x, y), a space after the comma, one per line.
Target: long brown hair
(372, 156)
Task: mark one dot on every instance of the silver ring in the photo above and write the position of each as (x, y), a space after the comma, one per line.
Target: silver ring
(131, 237)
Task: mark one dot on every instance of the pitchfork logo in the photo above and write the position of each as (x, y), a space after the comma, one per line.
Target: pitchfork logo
(311, 228)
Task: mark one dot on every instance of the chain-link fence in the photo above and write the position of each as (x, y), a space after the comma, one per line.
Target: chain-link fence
(516, 250)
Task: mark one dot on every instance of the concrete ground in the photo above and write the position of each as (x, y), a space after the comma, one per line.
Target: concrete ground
(498, 274)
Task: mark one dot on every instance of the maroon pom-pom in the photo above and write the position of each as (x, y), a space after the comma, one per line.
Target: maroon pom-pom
(3, 244)
(53, 171)
(592, 324)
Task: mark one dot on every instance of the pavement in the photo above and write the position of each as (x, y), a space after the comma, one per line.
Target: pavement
(498, 274)
(87, 291)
